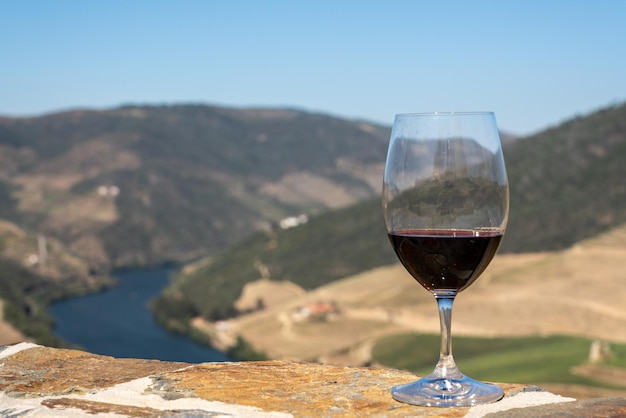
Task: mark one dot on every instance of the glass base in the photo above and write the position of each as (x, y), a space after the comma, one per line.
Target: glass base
(442, 392)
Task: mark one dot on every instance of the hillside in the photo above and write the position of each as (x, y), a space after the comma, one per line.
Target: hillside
(141, 185)
(329, 247)
(541, 297)
(544, 293)
(566, 185)
(33, 272)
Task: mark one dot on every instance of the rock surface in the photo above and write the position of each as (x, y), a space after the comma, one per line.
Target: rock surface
(42, 381)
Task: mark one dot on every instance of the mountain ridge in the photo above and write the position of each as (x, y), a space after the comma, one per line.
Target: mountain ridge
(141, 185)
(577, 162)
(222, 171)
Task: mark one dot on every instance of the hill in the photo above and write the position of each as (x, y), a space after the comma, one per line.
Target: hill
(33, 272)
(331, 246)
(142, 185)
(566, 185)
(519, 295)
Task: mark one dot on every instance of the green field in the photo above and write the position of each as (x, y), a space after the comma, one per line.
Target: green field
(527, 360)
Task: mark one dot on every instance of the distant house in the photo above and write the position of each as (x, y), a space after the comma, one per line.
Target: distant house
(110, 191)
(318, 311)
(293, 221)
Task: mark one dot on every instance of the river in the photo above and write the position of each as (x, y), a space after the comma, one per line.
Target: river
(118, 322)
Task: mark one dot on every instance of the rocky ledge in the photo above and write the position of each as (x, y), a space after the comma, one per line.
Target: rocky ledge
(47, 382)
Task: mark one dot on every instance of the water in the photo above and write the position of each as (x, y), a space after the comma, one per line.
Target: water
(118, 322)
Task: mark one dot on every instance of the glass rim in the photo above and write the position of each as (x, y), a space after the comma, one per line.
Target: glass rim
(461, 113)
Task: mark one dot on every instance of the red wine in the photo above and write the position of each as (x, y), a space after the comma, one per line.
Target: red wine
(445, 259)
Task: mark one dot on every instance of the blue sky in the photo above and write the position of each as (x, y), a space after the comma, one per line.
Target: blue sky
(533, 62)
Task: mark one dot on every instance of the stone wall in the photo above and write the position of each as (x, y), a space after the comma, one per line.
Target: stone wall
(47, 382)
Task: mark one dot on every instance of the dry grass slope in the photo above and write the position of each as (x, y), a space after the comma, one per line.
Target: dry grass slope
(578, 291)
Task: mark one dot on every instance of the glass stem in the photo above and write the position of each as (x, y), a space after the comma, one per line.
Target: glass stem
(446, 367)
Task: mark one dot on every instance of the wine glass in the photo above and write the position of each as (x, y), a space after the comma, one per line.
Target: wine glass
(445, 204)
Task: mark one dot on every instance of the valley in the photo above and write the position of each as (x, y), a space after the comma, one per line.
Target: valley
(138, 186)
